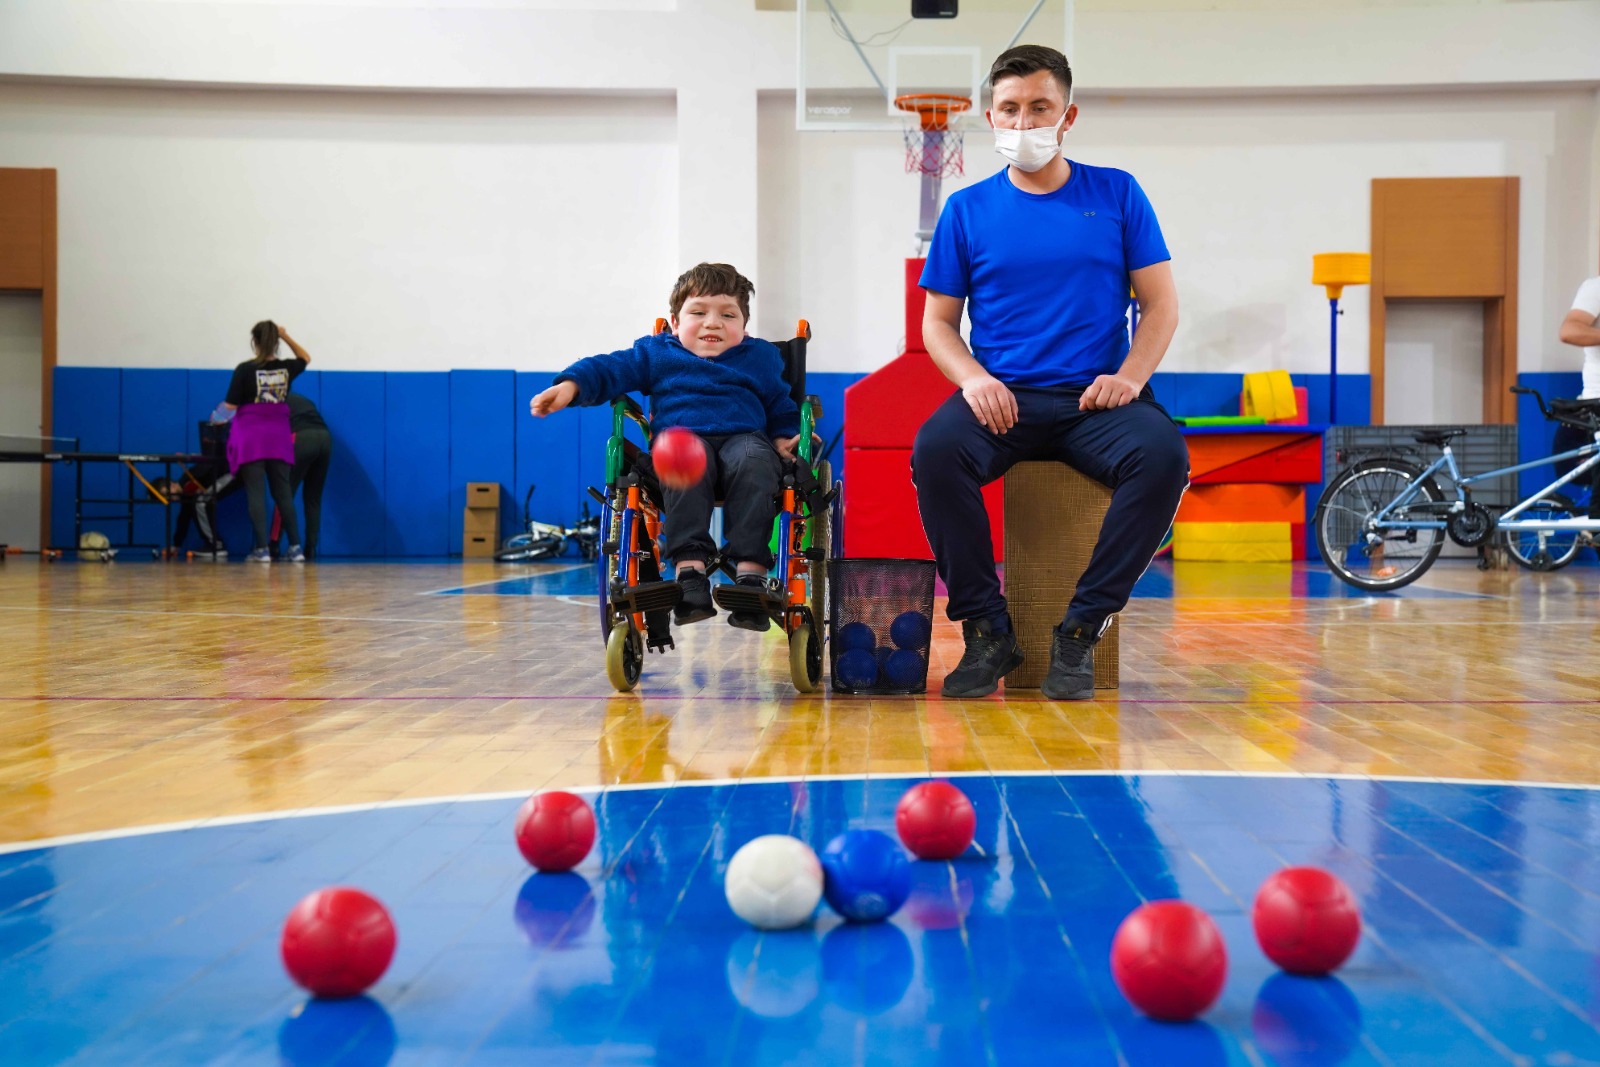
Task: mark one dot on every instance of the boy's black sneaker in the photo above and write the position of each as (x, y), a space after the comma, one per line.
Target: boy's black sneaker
(750, 620)
(1071, 674)
(696, 603)
(990, 655)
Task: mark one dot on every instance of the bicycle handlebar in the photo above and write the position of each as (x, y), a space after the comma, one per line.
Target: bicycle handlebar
(1590, 421)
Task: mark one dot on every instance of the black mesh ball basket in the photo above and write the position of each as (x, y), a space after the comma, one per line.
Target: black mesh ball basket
(880, 624)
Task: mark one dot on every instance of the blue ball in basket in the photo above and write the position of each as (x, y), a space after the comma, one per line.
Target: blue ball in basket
(905, 669)
(856, 668)
(910, 629)
(857, 635)
(883, 652)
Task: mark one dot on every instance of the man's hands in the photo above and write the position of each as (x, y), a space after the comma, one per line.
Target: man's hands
(553, 399)
(786, 445)
(1108, 391)
(990, 401)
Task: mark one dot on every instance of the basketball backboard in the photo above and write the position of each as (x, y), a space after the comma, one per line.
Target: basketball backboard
(856, 56)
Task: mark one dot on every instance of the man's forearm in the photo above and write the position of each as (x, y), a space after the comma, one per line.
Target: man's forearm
(1582, 336)
(1157, 324)
(949, 352)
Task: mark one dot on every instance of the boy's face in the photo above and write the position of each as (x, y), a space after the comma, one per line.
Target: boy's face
(709, 325)
(1031, 102)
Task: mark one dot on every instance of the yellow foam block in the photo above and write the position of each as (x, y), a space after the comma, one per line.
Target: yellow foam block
(1232, 542)
(1269, 394)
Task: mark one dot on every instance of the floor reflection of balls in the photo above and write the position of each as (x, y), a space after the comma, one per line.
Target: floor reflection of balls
(1299, 1020)
(554, 910)
(934, 904)
(866, 967)
(775, 974)
(1191, 1044)
(359, 1026)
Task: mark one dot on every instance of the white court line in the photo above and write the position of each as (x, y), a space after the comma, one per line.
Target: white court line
(497, 581)
(717, 783)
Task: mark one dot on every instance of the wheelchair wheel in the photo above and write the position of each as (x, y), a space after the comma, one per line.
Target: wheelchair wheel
(805, 658)
(1399, 557)
(1545, 550)
(624, 658)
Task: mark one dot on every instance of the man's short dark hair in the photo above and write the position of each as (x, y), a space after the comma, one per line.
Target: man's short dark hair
(711, 279)
(1026, 59)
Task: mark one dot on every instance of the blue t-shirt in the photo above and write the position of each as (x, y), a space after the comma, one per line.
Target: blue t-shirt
(740, 391)
(1045, 276)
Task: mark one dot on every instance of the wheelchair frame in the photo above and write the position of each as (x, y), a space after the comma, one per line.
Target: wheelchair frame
(636, 603)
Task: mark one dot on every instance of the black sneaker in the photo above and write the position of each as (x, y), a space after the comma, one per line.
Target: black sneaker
(1071, 674)
(989, 655)
(750, 620)
(696, 603)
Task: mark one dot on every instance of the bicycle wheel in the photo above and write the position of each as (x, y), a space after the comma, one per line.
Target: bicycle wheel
(1545, 550)
(1364, 555)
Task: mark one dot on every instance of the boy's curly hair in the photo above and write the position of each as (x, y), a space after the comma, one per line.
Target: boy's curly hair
(712, 279)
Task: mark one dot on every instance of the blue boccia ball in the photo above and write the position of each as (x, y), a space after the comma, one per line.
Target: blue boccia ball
(905, 669)
(857, 635)
(882, 654)
(856, 669)
(910, 629)
(866, 876)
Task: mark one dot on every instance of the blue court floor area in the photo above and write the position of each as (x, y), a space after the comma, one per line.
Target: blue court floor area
(1163, 581)
(1481, 905)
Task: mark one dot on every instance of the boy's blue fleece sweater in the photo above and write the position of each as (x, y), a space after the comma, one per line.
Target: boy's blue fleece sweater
(740, 391)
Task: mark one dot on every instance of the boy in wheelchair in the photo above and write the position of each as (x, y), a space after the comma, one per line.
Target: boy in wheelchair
(708, 377)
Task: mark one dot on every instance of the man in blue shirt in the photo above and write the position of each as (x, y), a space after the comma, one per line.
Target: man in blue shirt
(1043, 255)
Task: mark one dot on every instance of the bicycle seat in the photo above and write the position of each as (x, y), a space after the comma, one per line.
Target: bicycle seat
(1438, 437)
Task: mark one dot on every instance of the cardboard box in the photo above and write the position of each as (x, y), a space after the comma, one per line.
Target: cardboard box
(480, 534)
(483, 495)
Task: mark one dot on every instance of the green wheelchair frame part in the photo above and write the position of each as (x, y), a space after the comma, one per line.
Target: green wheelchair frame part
(620, 414)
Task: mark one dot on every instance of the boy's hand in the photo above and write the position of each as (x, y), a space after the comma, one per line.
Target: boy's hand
(1108, 391)
(786, 445)
(993, 404)
(553, 399)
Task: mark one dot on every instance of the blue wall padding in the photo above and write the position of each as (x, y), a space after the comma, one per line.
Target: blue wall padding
(353, 508)
(482, 442)
(1535, 434)
(546, 458)
(416, 464)
(87, 405)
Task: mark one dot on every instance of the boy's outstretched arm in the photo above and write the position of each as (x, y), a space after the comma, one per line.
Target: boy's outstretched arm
(596, 380)
(553, 399)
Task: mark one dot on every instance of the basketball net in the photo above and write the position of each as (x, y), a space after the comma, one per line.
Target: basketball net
(933, 149)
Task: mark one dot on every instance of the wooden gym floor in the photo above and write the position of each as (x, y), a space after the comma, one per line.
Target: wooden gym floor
(141, 694)
(377, 725)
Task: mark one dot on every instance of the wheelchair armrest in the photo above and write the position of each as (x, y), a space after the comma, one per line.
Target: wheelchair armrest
(630, 408)
(815, 404)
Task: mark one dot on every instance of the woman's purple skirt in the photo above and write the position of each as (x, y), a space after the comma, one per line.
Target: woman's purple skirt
(260, 431)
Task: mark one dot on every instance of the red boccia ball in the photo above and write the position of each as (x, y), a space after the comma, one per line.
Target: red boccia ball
(337, 942)
(679, 456)
(1306, 920)
(1169, 960)
(555, 830)
(935, 821)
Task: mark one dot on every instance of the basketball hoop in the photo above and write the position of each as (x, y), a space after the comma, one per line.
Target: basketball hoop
(932, 147)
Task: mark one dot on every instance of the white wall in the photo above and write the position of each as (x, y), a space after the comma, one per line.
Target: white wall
(386, 231)
(1247, 189)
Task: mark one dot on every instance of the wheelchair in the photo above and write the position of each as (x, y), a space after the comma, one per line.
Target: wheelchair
(636, 602)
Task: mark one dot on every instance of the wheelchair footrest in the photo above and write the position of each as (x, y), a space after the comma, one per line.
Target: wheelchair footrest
(648, 596)
(747, 598)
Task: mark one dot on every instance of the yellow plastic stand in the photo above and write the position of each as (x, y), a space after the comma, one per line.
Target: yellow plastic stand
(1335, 270)
(1270, 395)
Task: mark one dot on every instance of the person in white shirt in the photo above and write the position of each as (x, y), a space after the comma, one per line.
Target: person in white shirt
(1581, 327)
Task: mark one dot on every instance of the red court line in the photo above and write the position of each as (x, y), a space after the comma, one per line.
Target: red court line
(767, 700)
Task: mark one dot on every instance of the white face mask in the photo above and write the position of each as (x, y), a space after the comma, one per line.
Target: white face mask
(1029, 150)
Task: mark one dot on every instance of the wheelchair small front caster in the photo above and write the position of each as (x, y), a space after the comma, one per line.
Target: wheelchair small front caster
(624, 657)
(805, 659)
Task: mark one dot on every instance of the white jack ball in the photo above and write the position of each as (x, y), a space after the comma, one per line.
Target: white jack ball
(774, 882)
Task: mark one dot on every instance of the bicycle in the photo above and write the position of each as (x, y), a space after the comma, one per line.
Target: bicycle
(546, 540)
(1382, 522)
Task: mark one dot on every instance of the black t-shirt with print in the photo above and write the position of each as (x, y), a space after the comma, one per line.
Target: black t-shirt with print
(263, 383)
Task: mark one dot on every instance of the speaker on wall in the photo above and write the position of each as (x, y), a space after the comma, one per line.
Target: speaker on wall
(933, 9)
